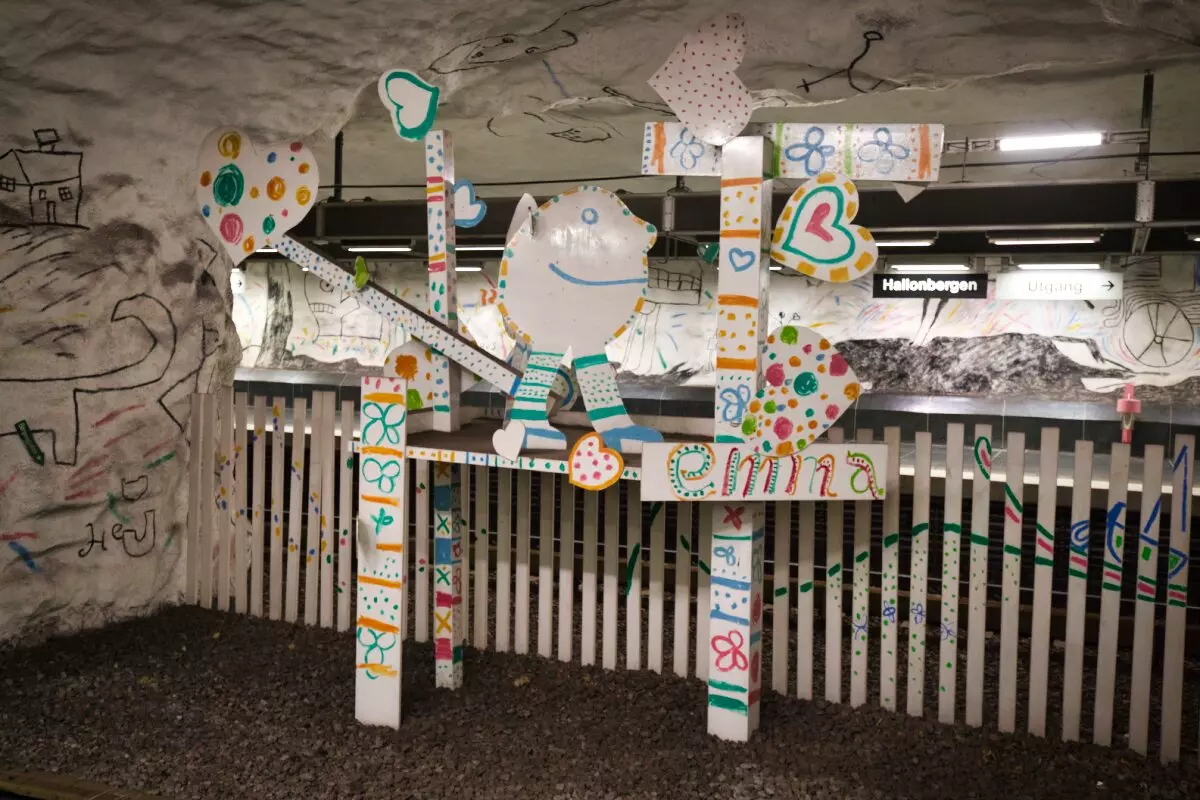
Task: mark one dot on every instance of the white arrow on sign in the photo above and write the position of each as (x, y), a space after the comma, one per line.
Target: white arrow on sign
(1059, 285)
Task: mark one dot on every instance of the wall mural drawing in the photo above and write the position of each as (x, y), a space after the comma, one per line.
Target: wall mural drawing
(869, 84)
(42, 186)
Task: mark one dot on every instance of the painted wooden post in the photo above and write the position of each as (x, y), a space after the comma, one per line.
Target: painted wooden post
(1182, 476)
(382, 529)
(1010, 608)
(977, 597)
(448, 628)
(1110, 594)
(1147, 590)
(835, 597)
(1043, 574)
(735, 615)
(442, 302)
(918, 599)
(1077, 575)
(951, 569)
(860, 597)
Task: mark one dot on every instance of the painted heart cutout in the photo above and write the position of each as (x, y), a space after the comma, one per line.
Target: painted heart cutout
(742, 260)
(814, 236)
(593, 466)
(411, 103)
(807, 385)
(699, 84)
(252, 196)
(508, 441)
(468, 209)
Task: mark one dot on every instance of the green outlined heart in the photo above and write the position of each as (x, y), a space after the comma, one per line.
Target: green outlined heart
(819, 224)
(411, 103)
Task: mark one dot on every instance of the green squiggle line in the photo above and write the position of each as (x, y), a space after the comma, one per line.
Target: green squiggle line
(631, 566)
(112, 506)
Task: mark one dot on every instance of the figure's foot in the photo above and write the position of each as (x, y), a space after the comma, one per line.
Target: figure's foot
(630, 438)
(543, 437)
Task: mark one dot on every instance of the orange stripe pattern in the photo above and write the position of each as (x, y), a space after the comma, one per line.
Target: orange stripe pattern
(382, 451)
(380, 582)
(383, 501)
(384, 397)
(376, 625)
(737, 300)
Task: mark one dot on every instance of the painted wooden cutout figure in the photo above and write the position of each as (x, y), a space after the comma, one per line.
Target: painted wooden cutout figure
(569, 286)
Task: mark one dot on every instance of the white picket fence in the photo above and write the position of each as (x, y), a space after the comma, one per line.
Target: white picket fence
(260, 536)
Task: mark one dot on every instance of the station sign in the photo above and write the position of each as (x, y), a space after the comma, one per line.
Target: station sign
(971, 286)
(1059, 285)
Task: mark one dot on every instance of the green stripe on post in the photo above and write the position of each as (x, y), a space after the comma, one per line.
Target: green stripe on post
(980, 539)
(951, 527)
(920, 528)
(1074, 573)
(726, 687)
(605, 412)
(861, 557)
(1042, 561)
(727, 703)
(805, 588)
(891, 539)
(833, 570)
(1012, 550)
(598, 360)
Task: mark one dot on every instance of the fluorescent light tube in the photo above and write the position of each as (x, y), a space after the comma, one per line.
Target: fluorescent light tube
(904, 242)
(1058, 266)
(381, 248)
(1051, 142)
(932, 269)
(1195, 237)
(1022, 241)
(493, 248)
(776, 269)
(468, 269)
(266, 250)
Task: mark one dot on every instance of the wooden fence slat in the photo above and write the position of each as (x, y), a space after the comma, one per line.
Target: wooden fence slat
(683, 589)
(316, 502)
(279, 471)
(981, 487)
(658, 543)
(208, 499)
(1146, 593)
(566, 571)
(1043, 575)
(465, 506)
(918, 582)
(612, 543)
(633, 592)
(421, 600)
(348, 525)
(781, 584)
(951, 575)
(191, 551)
(1182, 477)
(504, 561)
(1010, 597)
(481, 486)
(805, 546)
(703, 594)
(835, 549)
(521, 615)
(241, 516)
(860, 636)
(1077, 569)
(591, 532)
(328, 509)
(295, 508)
(545, 638)
(228, 502)
(258, 512)
(1110, 593)
(890, 577)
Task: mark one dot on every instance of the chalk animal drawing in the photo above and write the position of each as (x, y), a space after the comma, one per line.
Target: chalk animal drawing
(249, 196)
(571, 287)
(339, 312)
(411, 103)
(814, 234)
(42, 186)
(49, 399)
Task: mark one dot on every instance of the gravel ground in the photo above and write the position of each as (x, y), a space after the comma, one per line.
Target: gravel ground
(199, 704)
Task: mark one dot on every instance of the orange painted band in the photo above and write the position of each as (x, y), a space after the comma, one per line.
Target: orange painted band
(740, 182)
(376, 625)
(737, 300)
(382, 451)
(383, 501)
(384, 397)
(390, 548)
(741, 233)
(380, 582)
(748, 364)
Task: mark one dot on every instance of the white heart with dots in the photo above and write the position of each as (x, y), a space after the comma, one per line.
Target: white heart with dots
(594, 466)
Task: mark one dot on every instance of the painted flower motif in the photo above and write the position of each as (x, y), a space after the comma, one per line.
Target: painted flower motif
(882, 152)
(381, 473)
(687, 151)
(811, 152)
(384, 422)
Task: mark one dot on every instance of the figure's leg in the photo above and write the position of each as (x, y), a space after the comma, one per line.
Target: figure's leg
(529, 405)
(606, 409)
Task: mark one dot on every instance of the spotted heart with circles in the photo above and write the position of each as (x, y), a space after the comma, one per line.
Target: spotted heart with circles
(251, 196)
(593, 466)
(814, 234)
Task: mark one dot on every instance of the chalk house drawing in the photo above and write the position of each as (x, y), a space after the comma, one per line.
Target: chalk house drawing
(42, 186)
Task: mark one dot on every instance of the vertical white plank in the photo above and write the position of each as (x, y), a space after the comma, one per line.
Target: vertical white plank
(241, 518)
(566, 572)
(918, 586)
(1077, 569)
(441, 298)
(295, 508)
(227, 510)
(835, 548)
(279, 471)
(545, 637)
(208, 499)
(346, 525)
(633, 590)
(951, 575)
(328, 509)
(977, 599)
(424, 567)
(464, 536)
(481, 489)
(1010, 599)
(889, 602)
(703, 593)
(805, 546)
(781, 583)
(448, 629)
(860, 635)
(683, 589)
(587, 640)
(195, 493)
(258, 512)
(316, 504)
(1043, 573)
(658, 543)
(521, 623)
(612, 544)
(1182, 476)
(1110, 594)
(1147, 591)
(504, 560)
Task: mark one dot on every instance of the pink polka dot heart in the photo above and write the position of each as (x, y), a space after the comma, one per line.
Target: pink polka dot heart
(594, 466)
